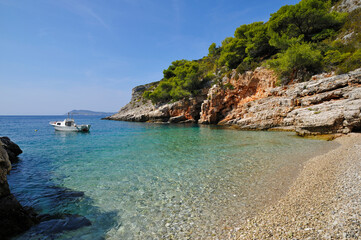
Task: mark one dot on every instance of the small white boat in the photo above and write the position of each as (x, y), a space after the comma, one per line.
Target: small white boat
(68, 125)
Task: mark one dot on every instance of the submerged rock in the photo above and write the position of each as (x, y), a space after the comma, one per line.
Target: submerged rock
(52, 224)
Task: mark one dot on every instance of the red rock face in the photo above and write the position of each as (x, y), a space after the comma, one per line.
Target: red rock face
(322, 105)
(325, 104)
(225, 102)
(182, 108)
(190, 109)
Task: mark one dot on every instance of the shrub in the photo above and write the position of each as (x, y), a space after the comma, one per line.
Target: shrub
(181, 80)
(353, 62)
(333, 58)
(257, 40)
(309, 19)
(299, 61)
(246, 66)
(233, 52)
(228, 86)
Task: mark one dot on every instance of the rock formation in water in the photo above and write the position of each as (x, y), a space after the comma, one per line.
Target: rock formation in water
(12, 149)
(14, 218)
(325, 104)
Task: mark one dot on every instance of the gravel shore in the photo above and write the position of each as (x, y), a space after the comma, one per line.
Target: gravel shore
(324, 202)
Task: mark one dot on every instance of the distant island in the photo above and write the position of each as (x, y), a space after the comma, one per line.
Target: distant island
(88, 113)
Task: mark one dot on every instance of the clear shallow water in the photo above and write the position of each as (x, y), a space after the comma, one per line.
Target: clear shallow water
(150, 181)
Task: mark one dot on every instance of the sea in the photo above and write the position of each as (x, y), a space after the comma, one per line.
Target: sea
(128, 180)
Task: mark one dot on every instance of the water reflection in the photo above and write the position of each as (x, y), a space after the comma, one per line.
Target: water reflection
(64, 135)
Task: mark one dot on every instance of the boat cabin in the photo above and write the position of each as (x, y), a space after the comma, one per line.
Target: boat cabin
(69, 122)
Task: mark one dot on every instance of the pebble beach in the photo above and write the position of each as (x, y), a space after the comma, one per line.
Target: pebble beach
(324, 201)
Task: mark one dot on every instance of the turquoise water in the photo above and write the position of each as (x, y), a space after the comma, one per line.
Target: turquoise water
(150, 181)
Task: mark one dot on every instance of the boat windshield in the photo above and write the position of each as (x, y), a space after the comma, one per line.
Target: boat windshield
(68, 123)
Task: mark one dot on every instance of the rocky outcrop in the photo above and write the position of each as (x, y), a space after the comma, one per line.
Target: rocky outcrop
(142, 110)
(224, 99)
(138, 108)
(12, 149)
(319, 106)
(250, 101)
(5, 167)
(348, 5)
(14, 218)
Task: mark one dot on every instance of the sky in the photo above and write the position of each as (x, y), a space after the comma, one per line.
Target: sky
(60, 55)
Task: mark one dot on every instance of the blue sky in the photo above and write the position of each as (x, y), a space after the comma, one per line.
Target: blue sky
(59, 55)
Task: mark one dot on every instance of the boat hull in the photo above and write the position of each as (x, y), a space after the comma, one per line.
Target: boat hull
(81, 128)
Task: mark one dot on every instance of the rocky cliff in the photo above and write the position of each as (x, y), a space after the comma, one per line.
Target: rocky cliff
(325, 104)
(141, 110)
(14, 218)
(250, 101)
(225, 98)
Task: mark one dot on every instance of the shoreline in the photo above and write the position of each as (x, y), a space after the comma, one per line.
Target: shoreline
(322, 203)
(292, 129)
(324, 105)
